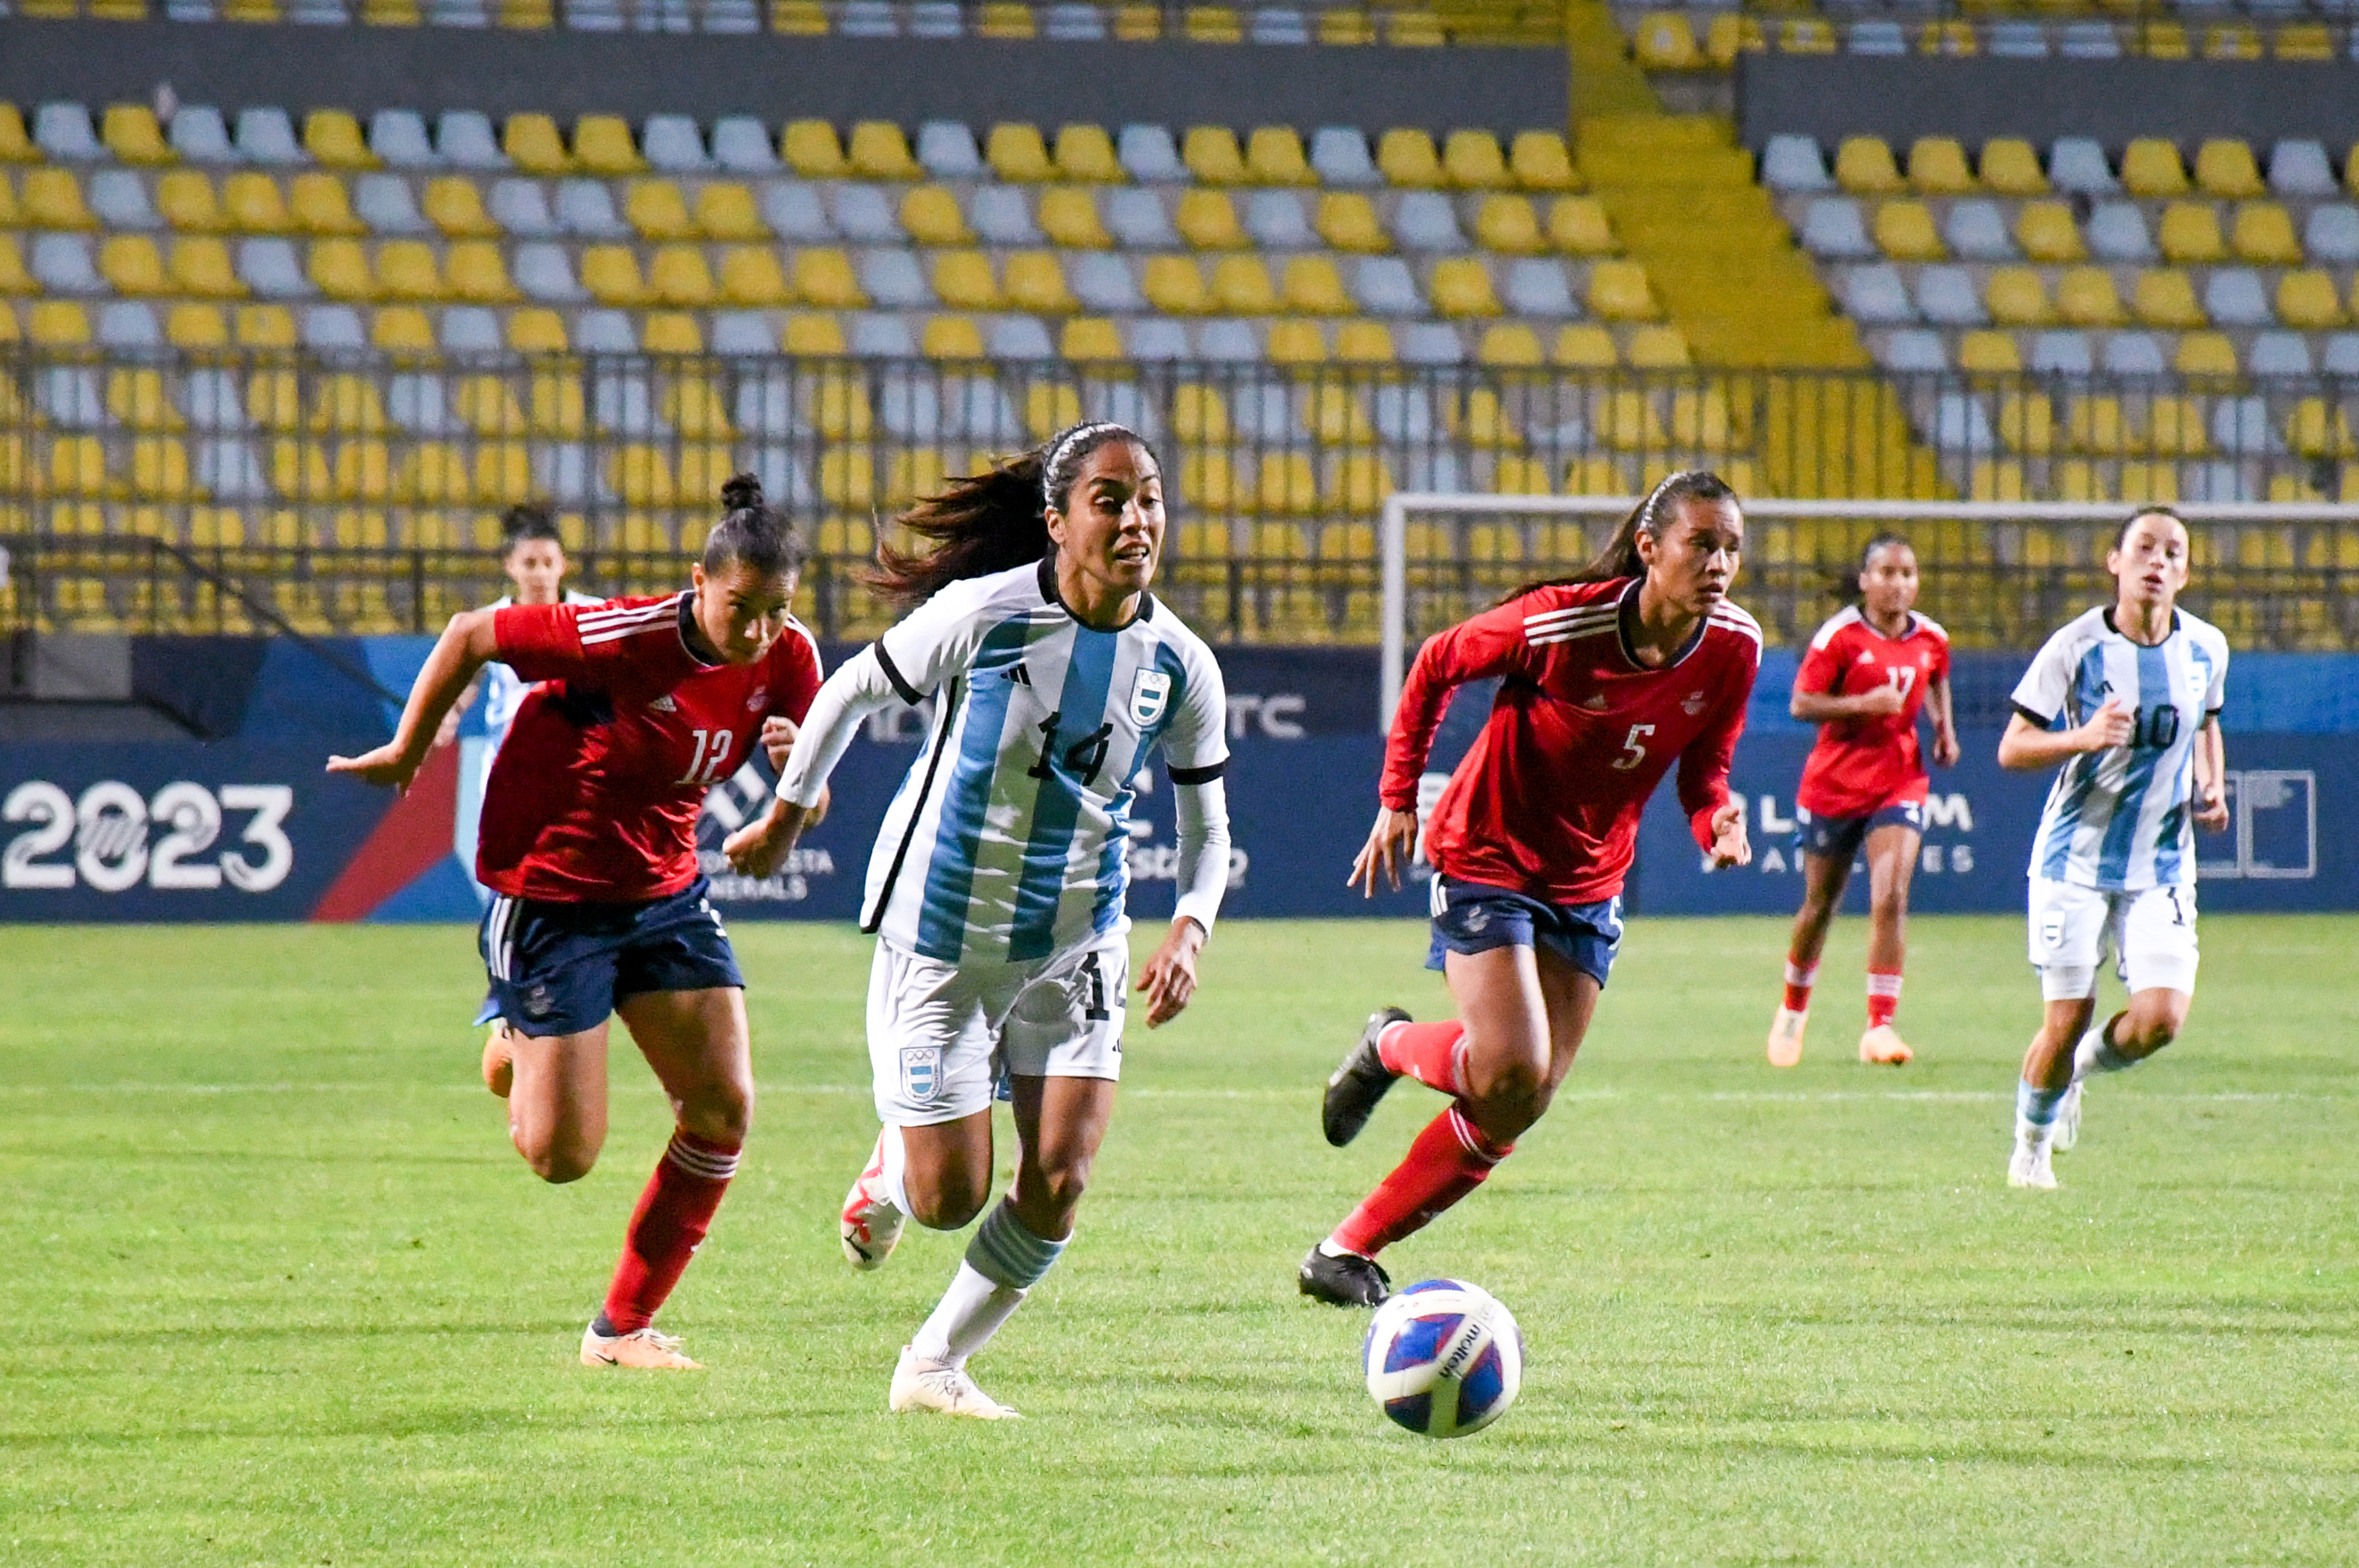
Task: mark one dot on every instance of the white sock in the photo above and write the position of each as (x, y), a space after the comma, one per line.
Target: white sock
(963, 1322)
(2097, 1054)
(896, 1180)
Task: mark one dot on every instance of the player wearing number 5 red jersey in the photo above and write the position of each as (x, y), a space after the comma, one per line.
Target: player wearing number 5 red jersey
(1869, 672)
(1605, 681)
(588, 842)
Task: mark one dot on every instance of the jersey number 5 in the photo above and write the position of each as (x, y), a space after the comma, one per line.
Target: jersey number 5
(1632, 753)
(705, 770)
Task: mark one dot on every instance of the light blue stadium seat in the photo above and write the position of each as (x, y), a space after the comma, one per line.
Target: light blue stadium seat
(893, 280)
(2242, 425)
(1426, 221)
(118, 198)
(1276, 220)
(200, 136)
(1535, 286)
(764, 407)
(1402, 413)
(743, 334)
(1340, 156)
(868, 19)
(2117, 231)
(2062, 352)
(266, 136)
(271, 269)
(1156, 339)
(2235, 297)
(1833, 230)
(384, 202)
(398, 137)
(2015, 38)
(63, 131)
(521, 207)
(1946, 296)
(2215, 482)
(470, 329)
(785, 477)
(2077, 164)
(936, 20)
(1877, 36)
(544, 271)
(1277, 24)
(877, 334)
(864, 214)
(231, 469)
(466, 140)
(1001, 217)
(69, 394)
(2134, 354)
(211, 397)
(673, 145)
(1228, 343)
(1073, 24)
(128, 323)
(795, 213)
(63, 265)
(1914, 351)
(1103, 283)
(2331, 233)
(741, 143)
(2300, 168)
(1961, 424)
(946, 150)
(414, 400)
(1876, 296)
(605, 332)
(1264, 415)
(978, 408)
(1019, 337)
(2339, 356)
(1428, 342)
(1150, 153)
(1137, 219)
(2278, 355)
(1384, 286)
(332, 329)
(1975, 230)
(586, 208)
(1794, 163)
(2088, 40)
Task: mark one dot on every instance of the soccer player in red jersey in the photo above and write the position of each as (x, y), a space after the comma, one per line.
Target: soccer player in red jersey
(589, 843)
(1606, 678)
(1868, 672)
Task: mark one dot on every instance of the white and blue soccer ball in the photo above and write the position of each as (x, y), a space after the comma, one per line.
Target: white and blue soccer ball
(1445, 1358)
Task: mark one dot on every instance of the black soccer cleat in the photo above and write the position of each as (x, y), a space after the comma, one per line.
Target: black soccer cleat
(1354, 1089)
(1349, 1280)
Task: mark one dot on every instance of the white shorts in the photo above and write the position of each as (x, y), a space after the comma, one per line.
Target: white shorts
(940, 1034)
(2151, 932)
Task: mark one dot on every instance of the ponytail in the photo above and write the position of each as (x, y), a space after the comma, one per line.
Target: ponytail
(1650, 517)
(752, 532)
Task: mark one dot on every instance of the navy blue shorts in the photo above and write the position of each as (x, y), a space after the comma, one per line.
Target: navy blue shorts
(560, 968)
(1839, 838)
(1471, 918)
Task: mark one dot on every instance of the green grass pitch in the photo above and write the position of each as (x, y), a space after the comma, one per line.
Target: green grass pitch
(277, 1291)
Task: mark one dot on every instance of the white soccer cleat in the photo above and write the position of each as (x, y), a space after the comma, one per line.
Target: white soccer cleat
(930, 1386)
(872, 1226)
(641, 1347)
(1785, 1036)
(1882, 1046)
(2067, 1120)
(2029, 1167)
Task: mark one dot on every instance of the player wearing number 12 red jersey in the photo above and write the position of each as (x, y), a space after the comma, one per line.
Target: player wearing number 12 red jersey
(587, 842)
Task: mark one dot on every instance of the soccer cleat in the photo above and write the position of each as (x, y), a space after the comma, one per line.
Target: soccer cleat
(2029, 1166)
(641, 1347)
(1344, 1280)
(1882, 1046)
(1785, 1036)
(2067, 1120)
(930, 1386)
(1353, 1088)
(499, 1063)
(872, 1226)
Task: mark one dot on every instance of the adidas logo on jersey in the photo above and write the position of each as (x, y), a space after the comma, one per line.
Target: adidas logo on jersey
(664, 705)
(1867, 656)
(1021, 676)
(1596, 703)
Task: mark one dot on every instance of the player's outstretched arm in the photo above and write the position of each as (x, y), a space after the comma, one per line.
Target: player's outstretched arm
(1825, 707)
(1730, 846)
(2211, 778)
(761, 846)
(466, 645)
(1169, 980)
(2026, 748)
(1391, 841)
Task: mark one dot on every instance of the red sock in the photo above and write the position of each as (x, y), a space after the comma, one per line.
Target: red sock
(1883, 996)
(1433, 1054)
(668, 1226)
(1799, 981)
(1449, 1160)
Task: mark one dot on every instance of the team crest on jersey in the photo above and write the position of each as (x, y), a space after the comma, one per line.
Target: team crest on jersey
(1692, 703)
(664, 705)
(760, 695)
(1150, 694)
(921, 1070)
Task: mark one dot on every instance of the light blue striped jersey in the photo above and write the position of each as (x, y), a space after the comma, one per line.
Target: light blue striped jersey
(2119, 820)
(1009, 839)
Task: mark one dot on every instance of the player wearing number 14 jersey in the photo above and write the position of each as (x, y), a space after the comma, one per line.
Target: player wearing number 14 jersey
(588, 844)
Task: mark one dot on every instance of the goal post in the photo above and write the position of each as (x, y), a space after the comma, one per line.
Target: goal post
(2282, 574)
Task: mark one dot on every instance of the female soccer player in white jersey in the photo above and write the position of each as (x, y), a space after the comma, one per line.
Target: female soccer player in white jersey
(1867, 673)
(996, 885)
(2127, 698)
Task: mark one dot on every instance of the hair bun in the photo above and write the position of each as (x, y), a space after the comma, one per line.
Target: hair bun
(742, 493)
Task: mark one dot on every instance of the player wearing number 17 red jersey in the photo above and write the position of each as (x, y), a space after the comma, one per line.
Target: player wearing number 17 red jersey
(587, 842)
(1605, 681)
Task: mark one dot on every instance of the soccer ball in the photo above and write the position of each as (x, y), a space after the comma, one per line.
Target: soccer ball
(1445, 1358)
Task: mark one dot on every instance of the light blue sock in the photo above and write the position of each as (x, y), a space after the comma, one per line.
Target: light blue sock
(2035, 1110)
(1006, 1251)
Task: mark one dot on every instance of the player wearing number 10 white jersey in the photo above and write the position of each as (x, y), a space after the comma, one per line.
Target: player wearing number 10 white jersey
(2127, 698)
(996, 887)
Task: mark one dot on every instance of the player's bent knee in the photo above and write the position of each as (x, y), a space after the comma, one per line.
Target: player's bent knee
(562, 1163)
(724, 1114)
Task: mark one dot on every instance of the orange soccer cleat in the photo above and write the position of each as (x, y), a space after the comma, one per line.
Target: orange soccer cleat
(641, 1347)
(1785, 1036)
(1882, 1046)
(499, 1063)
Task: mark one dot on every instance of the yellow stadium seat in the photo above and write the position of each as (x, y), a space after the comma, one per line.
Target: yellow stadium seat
(1296, 342)
(2047, 231)
(2264, 232)
(1461, 286)
(725, 210)
(53, 201)
(879, 151)
(1510, 344)
(1242, 286)
(1658, 348)
(642, 476)
(1578, 227)
(1936, 166)
(317, 203)
(554, 404)
(659, 211)
(1314, 286)
(1358, 482)
(1289, 486)
(201, 266)
(537, 329)
(58, 323)
(931, 215)
(1069, 216)
(13, 280)
(1585, 345)
(136, 400)
(1208, 221)
(2306, 300)
(812, 336)
(1729, 34)
(750, 277)
(1989, 353)
(2175, 427)
(1472, 161)
(487, 405)
(133, 265)
(435, 472)
(333, 137)
(1956, 38)
(479, 274)
(2225, 168)
(1199, 414)
(1347, 221)
(534, 143)
(2232, 40)
(1051, 407)
(1019, 154)
(824, 277)
(1905, 231)
(1509, 223)
(195, 326)
(1090, 338)
(1626, 420)
(1415, 29)
(1212, 155)
(2304, 40)
(2085, 297)
(697, 410)
(1541, 161)
(265, 326)
(1211, 25)
(273, 399)
(1702, 417)
(811, 150)
(251, 204)
(1665, 41)
(2011, 168)
(1086, 153)
(185, 200)
(1005, 19)
(1273, 157)
(963, 279)
(1037, 283)
(601, 145)
(1805, 35)
(2026, 422)
(455, 205)
(298, 471)
(2017, 297)
(405, 269)
(2317, 429)
(951, 337)
(131, 132)
(677, 275)
(671, 332)
(2151, 167)
(2189, 235)
(15, 147)
(2205, 354)
(1408, 158)
(1364, 342)
(502, 476)
(1619, 291)
(339, 269)
(610, 274)
(346, 403)
(1864, 166)
(402, 329)
(1339, 27)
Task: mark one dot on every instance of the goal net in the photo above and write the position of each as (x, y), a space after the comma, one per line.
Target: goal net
(2281, 575)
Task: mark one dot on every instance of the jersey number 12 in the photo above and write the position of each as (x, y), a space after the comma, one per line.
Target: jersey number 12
(705, 770)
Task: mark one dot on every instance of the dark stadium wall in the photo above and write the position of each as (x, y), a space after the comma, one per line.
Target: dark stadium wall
(905, 80)
(1901, 98)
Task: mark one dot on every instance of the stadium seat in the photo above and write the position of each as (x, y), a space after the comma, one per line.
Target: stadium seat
(198, 134)
(2117, 231)
(602, 146)
(750, 277)
(1578, 225)
(1665, 40)
(63, 131)
(1408, 158)
(2306, 300)
(465, 139)
(1174, 284)
(1946, 297)
(1311, 285)
(332, 136)
(948, 151)
(1106, 283)
(53, 199)
(1086, 153)
(1619, 291)
(317, 203)
(1473, 160)
(1275, 221)
(383, 202)
(1793, 163)
(1069, 216)
(1936, 166)
(657, 209)
(2151, 167)
(454, 204)
(1905, 231)
(1339, 156)
(2017, 297)
(1876, 296)
(673, 145)
(879, 151)
(2165, 297)
(399, 139)
(2235, 297)
(2331, 233)
(1975, 230)
(201, 267)
(1461, 287)
(1384, 286)
(1509, 224)
(1274, 156)
(132, 134)
(1207, 219)
(2047, 233)
(1425, 220)
(185, 200)
(1540, 161)
(1150, 155)
(2205, 354)
(1347, 221)
(810, 149)
(2189, 235)
(2277, 356)
(1864, 166)
(2298, 169)
(2010, 167)
(266, 136)
(2226, 169)
(2086, 296)
(2263, 232)
(930, 215)
(1138, 219)
(2077, 164)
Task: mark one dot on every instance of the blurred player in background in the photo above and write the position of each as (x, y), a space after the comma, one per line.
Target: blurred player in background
(2127, 698)
(589, 841)
(997, 884)
(1607, 678)
(1867, 673)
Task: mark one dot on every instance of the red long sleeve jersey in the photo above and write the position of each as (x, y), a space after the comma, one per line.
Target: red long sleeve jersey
(1547, 800)
(597, 791)
(1860, 766)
